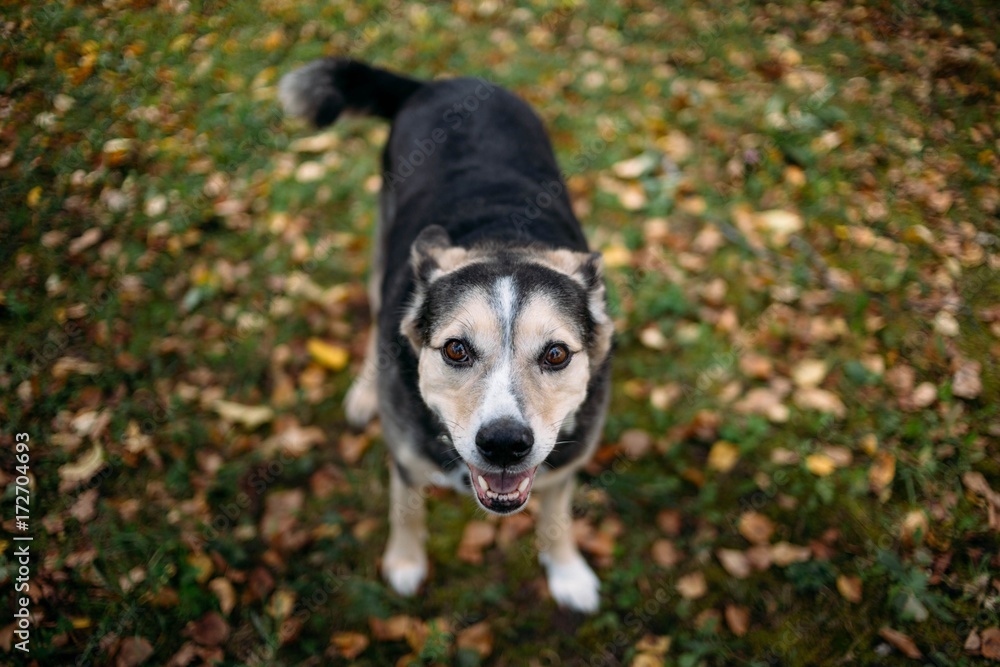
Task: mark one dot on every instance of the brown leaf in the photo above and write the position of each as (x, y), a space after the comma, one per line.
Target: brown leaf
(973, 643)
(477, 536)
(813, 398)
(392, 629)
(665, 554)
(756, 527)
(692, 586)
(990, 647)
(478, 637)
(850, 588)
(901, 642)
(735, 562)
(783, 554)
(634, 443)
(738, 619)
(279, 513)
(966, 383)
(352, 446)
(85, 507)
(881, 474)
(349, 644)
(209, 630)
(670, 522)
(133, 651)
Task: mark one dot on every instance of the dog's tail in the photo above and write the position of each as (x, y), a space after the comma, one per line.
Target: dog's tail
(323, 89)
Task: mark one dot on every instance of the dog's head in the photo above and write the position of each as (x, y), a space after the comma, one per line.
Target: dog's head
(507, 341)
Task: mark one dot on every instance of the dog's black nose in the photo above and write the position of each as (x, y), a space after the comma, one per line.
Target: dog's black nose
(505, 441)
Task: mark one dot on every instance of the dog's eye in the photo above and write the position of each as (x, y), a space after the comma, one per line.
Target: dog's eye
(456, 352)
(556, 357)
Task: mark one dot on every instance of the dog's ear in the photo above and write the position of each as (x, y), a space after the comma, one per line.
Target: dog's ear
(431, 256)
(587, 268)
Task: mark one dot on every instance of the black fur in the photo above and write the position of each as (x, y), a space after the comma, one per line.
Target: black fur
(473, 158)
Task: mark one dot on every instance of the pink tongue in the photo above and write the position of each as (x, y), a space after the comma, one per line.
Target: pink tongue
(504, 482)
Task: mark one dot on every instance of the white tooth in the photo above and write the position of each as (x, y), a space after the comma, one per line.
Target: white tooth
(523, 486)
(482, 484)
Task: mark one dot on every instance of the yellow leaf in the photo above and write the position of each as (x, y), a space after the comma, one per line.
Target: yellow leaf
(850, 588)
(333, 357)
(820, 465)
(34, 196)
(723, 456)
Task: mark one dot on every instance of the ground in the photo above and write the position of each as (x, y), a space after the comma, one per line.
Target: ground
(797, 204)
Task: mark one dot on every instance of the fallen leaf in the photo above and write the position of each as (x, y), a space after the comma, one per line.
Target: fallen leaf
(734, 562)
(755, 527)
(250, 416)
(914, 527)
(923, 396)
(349, 644)
(784, 554)
(990, 643)
(390, 629)
(209, 630)
(634, 167)
(665, 554)
(477, 536)
(670, 522)
(820, 465)
(850, 588)
(646, 660)
(763, 401)
(478, 638)
(809, 372)
(66, 365)
(72, 475)
(657, 645)
(634, 443)
(778, 223)
(85, 507)
(946, 324)
(881, 473)
(280, 510)
(653, 338)
(692, 586)
(967, 383)
(738, 619)
(224, 591)
(972, 643)
(133, 651)
(333, 357)
(813, 398)
(723, 456)
(901, 642)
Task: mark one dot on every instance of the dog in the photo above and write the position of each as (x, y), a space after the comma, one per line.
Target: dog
(489, 358)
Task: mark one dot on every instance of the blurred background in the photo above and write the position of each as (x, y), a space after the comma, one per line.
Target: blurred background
(797, 204)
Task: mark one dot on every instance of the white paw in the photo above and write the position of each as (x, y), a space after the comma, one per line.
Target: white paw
(573, 584)
(361, 403)
(404, 573)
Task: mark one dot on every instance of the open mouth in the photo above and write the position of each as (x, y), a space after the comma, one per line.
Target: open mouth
(502, 492)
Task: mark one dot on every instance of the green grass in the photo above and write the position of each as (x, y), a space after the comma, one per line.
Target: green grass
(202, 236)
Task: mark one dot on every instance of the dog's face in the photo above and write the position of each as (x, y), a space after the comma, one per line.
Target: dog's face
(506, 343)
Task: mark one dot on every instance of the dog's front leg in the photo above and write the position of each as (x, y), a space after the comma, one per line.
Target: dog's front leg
(404, 564)
(571, 581)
